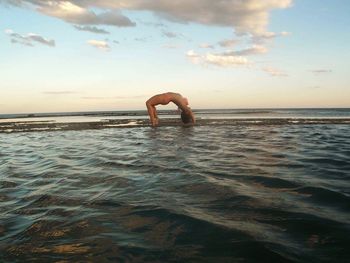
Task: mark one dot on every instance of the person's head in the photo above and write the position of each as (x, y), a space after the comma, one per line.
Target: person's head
(186, 117)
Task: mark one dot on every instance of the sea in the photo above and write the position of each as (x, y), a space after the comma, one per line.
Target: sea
(248, 192)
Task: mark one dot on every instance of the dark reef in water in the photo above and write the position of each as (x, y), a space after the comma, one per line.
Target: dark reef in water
(31, 126)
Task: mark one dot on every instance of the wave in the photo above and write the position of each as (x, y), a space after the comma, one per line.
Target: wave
(212, 193)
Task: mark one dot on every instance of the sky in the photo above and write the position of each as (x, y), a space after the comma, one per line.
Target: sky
(96, 55)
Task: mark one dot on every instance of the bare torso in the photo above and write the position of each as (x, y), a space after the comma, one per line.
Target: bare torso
(165, 98)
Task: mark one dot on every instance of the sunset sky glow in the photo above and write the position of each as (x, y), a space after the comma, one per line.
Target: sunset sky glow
(86, 55)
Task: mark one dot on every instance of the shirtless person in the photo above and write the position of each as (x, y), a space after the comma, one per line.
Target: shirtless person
(187, 115)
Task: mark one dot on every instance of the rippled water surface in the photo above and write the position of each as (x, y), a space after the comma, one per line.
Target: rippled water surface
(174, 194)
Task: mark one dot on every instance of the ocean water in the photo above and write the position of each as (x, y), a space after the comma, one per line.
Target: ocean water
(267, 193)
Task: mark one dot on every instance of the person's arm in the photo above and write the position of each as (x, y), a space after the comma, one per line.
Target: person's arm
(152, 112)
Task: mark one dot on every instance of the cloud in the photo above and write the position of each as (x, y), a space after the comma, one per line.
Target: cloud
(76, 12)
(154, 24)
(284, 34)
(170, 34)
(269, 35)
(29, 39)
(321, 71)
(253, 50)
(227, 58)
(8, 31)
(42, 40)
(173, 35)
(220, 59)
(92, 29)
(228, 43)
(205, 45)
(25, 43)
(249, 16)
(274, 72)
(142, 39)
(102, 45)
(194, 57)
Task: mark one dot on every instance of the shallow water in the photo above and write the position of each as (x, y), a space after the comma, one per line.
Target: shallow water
(174, 194)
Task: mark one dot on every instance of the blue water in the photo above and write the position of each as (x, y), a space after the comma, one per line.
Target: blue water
(174, 194)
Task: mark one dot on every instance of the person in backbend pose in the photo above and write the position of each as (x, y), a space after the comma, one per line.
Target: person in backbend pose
(187, 115)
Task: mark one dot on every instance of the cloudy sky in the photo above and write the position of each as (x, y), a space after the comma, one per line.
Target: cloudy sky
(82, 55)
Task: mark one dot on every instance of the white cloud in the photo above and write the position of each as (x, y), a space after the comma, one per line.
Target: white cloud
(205, 45)
(253, 50)
(76, 13)
(274, 72)
(194, 57)
(225, 60)
(228, 43)
(285, 33)
(29, 39)
(248, 16)
(221, 60)
(102, 45)
(269, 35)
(321, 71)
(8, 31)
